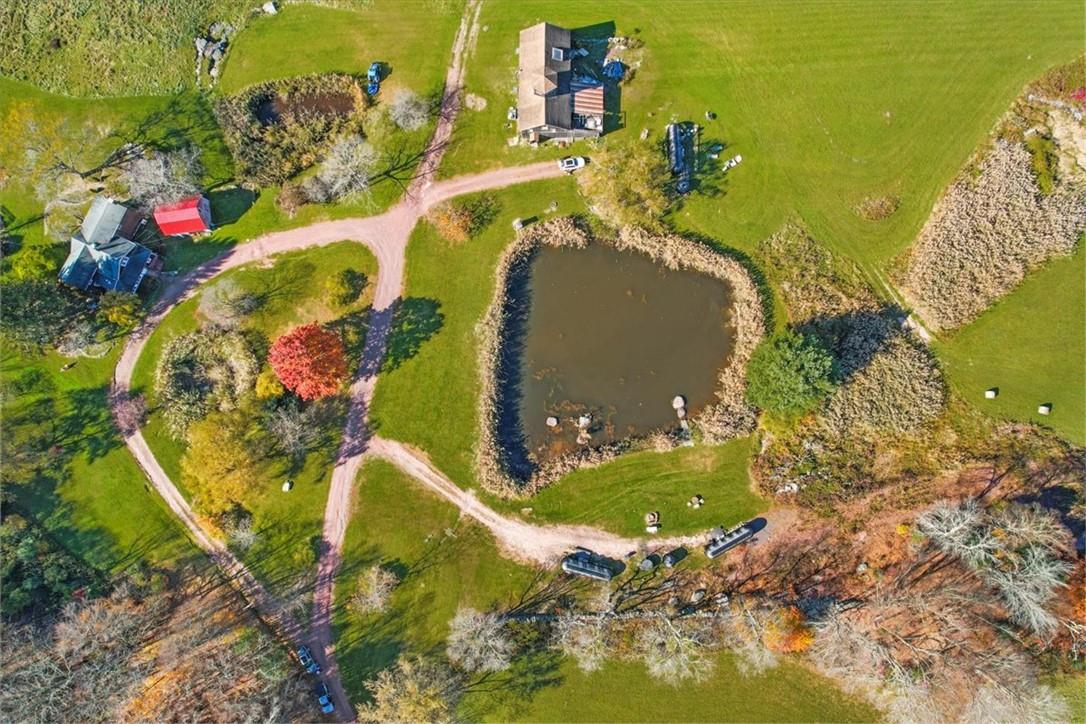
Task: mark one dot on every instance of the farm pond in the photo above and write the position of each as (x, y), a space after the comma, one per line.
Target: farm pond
(607, 334)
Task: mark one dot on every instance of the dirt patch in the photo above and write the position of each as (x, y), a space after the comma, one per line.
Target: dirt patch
(474, 102)
(877, 208)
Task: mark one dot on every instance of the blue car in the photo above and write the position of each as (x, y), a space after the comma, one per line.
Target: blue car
(307, 661)
(373, 78)
(324, 698)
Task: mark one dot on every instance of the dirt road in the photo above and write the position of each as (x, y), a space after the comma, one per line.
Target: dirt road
(542, 544)
(386, 236)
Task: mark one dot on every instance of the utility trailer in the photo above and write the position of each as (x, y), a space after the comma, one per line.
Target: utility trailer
(720, 545)
(585, 563)
(680, 155)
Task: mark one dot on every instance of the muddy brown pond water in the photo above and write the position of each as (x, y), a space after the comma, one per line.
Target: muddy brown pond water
(610, 334)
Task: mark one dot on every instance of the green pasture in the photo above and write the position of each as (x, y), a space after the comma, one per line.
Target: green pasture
(1031, 345)
(828, 103)
(92, 498)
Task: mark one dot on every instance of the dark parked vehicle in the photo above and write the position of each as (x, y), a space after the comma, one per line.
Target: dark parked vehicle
(324, 698)
(674, 557)
(307, 661)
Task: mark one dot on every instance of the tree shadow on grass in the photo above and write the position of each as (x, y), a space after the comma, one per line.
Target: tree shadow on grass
(230, 204)
(508, 693)
(414, 321)
(352, 329)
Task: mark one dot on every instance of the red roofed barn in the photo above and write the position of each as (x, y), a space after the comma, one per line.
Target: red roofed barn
(187, 216)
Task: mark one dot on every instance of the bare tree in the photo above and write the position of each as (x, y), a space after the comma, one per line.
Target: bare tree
(676, 650)
(1015, 549)
(347, 171)
(240, 532)
(1026, 703)
(478, 641)
(226, 304)
(374, 589)
(585, 638)
(295, 429)
(745, 635)
(161, 177)
(81, 340)
(414, 690)
(409, 111)
(959, 531)
(130, 413)
(87, 670)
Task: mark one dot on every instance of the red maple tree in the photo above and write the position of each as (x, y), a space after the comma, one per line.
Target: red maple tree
(310, 361)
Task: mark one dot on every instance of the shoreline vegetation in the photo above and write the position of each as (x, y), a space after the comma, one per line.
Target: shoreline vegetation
(728, 417)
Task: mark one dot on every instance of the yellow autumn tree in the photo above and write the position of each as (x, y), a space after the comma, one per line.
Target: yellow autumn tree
(268, 385)
(219, 465)
(788, 633)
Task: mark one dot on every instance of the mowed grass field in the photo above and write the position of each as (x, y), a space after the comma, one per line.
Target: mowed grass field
(413, 38)
(99, 505)
(1032, 346)
(617, 495)
(288, 525)
(445, 562)
(828, 102)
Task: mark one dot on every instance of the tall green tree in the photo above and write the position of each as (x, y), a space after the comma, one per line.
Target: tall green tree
(789, 374)
(35, 313)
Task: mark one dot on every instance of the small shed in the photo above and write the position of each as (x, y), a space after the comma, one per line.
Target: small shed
(188, 216)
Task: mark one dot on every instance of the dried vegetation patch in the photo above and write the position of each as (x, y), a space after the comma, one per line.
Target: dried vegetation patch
(1019, 202)
(278, 128)
(886, 418)
(986, 234)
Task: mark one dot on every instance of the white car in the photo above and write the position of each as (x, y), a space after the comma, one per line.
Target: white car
(572, 163)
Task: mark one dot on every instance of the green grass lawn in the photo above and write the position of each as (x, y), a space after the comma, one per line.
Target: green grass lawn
(97, 504)
(398, 525)
(289, 524)
(429, 400)
(622, 692)
(445, 562)
(617, 495)
(413, 38)
(827, 102)
(1032, 346)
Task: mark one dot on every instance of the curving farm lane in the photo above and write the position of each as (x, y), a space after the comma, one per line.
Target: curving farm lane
(386, 235)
